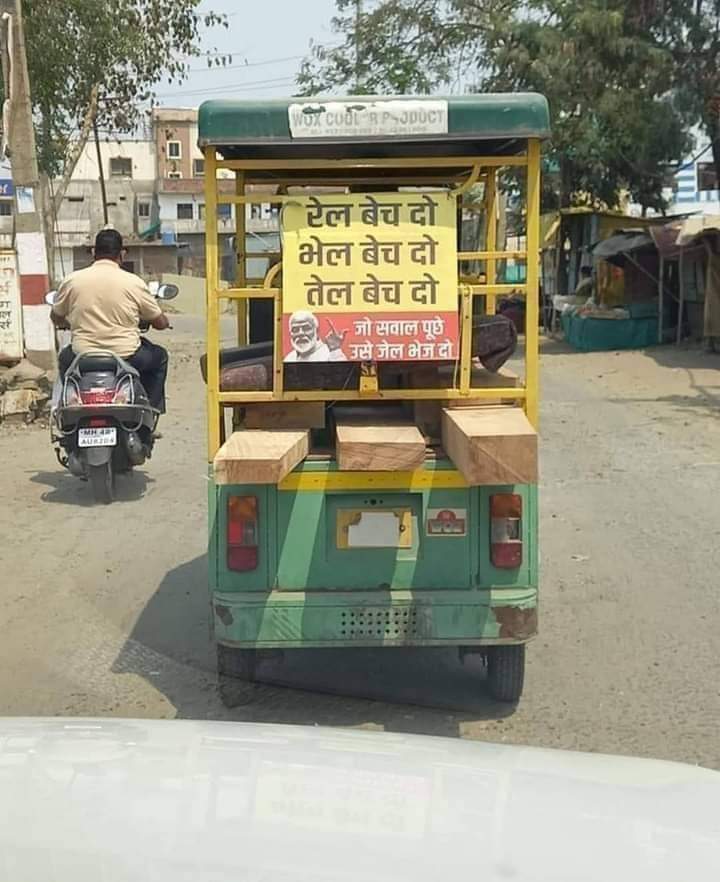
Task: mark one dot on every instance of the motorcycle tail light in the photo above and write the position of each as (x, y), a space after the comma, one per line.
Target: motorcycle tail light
(506, 546)
(242, 533)
(71, 394)
(97, 396)
(124, 392)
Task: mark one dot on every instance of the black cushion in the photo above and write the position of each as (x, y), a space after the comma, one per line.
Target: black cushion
(99, 361)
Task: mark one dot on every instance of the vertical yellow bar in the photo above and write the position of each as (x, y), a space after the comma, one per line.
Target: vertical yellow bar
(277, 345)
(214, 414)
(241, 267)
(491, 214)
(532, 353)
(466, 341)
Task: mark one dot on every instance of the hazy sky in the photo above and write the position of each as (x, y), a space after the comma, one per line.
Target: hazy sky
(267, 39)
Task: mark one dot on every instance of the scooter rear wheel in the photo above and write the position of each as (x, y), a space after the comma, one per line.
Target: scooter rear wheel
(102, 481)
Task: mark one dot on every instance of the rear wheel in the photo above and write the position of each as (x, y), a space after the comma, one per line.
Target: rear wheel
(506, 672)
(236, 675)
(102, 481)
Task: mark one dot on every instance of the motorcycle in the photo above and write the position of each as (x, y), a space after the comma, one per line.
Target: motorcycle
(101, 421)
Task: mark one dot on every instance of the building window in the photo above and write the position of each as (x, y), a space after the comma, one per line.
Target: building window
(174, 150)
(198, 168)
(121, 167)
(76, 199)
(225, 211)
(143, 209)
(5, 208)
(201, 211)
(706, 178)
(175, 175)
(185, 211)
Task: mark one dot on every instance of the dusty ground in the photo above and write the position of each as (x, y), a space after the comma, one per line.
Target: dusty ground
(104, 611)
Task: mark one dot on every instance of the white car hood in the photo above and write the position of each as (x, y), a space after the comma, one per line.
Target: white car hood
(178, 800)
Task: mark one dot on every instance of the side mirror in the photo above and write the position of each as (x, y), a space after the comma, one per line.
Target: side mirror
(167, 292)
(50, 297)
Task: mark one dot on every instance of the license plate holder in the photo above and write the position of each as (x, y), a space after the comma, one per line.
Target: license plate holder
(100, 437)
(373, 528)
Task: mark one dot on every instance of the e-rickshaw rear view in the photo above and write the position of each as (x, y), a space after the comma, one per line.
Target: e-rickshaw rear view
(373, 462)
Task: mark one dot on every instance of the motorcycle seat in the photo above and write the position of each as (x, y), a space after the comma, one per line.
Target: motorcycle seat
(89, 362)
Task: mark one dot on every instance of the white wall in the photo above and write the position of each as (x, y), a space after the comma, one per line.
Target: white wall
(142, 154)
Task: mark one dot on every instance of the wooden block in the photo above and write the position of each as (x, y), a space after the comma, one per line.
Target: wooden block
(255, 456)
(427, 413)
(393, 447)
(285, 415)
(491, 445)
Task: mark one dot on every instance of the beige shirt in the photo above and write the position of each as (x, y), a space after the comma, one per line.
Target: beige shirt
(104, 305)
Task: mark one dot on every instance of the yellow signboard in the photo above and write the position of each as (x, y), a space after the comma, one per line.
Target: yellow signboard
(370, 277)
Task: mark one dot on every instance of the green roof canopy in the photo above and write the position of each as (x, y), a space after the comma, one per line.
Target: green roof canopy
(481, 124)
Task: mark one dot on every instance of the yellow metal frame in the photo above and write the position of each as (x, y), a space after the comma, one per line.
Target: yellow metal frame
(421, 479)
(462, 172)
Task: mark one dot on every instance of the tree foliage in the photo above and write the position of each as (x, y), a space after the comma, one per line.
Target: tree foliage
(118, 51)
(690, 31)
(607, 74)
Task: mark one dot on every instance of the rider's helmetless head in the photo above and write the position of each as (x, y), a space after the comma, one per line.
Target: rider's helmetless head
(109, 246)
(304, 332)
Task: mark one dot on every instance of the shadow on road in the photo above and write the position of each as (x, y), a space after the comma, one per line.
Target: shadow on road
(427, 691)
(66, 489)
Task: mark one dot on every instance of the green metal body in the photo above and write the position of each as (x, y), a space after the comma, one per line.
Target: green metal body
(306, 591)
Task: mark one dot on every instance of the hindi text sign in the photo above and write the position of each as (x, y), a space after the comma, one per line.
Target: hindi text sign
(370, 277)
(11, 336)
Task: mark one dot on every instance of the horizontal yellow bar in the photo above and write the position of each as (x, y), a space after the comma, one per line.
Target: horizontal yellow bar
(491, 255)
(494, 289)
(246, 293)
(507, 392)
(399, 162)
(417, 480)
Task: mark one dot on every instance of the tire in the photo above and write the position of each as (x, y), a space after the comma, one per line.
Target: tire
(506, 672)
(102, 481)
(236, 675)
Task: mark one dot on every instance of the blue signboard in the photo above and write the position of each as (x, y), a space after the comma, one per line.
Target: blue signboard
(6, 187)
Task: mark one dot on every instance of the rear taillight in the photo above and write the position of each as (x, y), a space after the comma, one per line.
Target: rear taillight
(97, 396)
(97, 423)
(124, 392)
(242, 533)
(506, 547)
(71, 393)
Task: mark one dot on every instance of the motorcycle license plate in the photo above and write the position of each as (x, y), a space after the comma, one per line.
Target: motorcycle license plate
(106, 437)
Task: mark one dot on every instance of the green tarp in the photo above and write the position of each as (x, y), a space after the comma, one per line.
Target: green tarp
(599, 335)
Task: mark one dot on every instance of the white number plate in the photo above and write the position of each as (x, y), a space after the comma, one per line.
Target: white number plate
(106, 437)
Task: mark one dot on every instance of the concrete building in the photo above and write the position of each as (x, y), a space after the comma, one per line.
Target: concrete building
(155, 197)
(695, 187)
(181, 199)
(131, 188)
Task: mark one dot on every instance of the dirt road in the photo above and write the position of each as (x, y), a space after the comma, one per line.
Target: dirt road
(104, 611)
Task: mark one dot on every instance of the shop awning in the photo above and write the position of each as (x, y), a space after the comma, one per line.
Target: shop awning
(615, 248)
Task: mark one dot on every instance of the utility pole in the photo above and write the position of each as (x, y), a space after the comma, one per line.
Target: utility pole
(19, 146)
(358, 22)
(101, 172)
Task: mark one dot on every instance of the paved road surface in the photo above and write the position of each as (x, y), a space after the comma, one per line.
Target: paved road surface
(104, 610)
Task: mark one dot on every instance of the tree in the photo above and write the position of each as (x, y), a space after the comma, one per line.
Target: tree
(90, 61)
(616, 124)
(690, 31)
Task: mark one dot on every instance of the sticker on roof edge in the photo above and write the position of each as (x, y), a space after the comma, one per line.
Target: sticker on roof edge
(367, 119)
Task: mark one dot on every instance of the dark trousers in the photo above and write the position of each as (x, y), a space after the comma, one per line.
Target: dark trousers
(150, 361)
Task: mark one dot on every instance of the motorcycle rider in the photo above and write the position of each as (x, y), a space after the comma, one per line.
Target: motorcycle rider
(104, 305)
